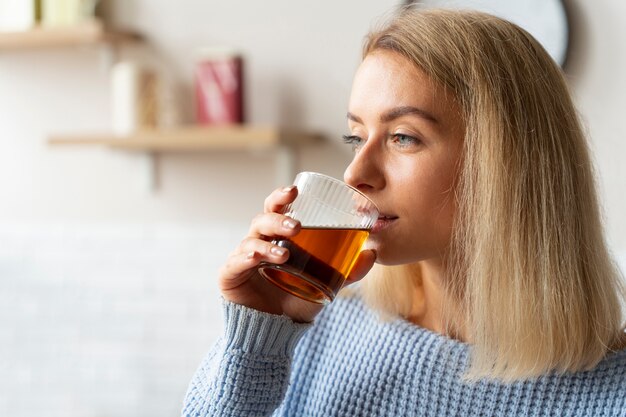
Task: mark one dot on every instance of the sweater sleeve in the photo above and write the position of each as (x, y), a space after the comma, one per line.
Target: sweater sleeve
(246, 373)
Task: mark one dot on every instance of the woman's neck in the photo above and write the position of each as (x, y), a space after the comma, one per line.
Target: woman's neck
(427, 311)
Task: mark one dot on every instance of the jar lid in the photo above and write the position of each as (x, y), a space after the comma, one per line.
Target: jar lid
(217, 52)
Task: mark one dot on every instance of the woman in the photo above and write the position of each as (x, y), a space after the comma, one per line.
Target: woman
(494, 293)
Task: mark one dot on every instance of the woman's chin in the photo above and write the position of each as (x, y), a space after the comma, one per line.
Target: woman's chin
(383, 255)
(390, 256)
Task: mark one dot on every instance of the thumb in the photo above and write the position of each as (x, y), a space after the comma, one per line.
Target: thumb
(363, 264)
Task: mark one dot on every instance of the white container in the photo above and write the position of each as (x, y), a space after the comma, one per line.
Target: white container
(134, 98)
(17, 15)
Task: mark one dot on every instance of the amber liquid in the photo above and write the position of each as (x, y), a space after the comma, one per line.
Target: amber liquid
(319, 261)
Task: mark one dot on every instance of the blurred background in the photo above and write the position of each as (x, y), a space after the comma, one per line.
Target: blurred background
(108, 257)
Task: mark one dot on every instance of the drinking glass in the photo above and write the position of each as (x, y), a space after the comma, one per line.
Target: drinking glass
(336, 220)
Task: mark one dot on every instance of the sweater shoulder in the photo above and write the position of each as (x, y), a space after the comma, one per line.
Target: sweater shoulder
(611, 369)
(397, 368)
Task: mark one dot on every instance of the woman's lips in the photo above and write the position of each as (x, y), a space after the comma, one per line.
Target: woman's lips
(383, 222)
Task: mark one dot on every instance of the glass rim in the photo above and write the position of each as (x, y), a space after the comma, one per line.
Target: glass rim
(338, 181)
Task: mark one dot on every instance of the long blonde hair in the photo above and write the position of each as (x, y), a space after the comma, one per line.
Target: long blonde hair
(530, 276)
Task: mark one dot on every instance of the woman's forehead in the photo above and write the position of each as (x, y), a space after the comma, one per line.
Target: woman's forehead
(387, 79)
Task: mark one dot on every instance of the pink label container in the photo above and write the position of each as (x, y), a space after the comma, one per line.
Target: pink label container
(219, 87)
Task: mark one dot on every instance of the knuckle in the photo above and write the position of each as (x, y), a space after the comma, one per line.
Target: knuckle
(257, 219)
(245, 243)
(269, 200)
(265, 248)
(255, 224)
(272, 199)
(225, 270)
(230, 262)
(278, 220)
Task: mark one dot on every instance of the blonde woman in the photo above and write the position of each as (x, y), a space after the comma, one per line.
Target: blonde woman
(494, 293)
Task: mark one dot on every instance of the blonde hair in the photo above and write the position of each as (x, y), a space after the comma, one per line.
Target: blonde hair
(529, 274)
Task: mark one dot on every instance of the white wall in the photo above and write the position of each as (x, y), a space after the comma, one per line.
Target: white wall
(107, 296)
(597, 72)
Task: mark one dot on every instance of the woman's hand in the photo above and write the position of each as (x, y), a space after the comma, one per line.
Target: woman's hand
(239, 280)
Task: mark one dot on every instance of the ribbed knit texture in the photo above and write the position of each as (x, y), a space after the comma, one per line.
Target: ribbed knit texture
(352, 364)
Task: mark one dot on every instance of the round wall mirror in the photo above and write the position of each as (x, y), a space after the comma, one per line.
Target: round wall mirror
(546, 20)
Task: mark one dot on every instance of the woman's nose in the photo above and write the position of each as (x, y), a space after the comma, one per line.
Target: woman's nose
(365, 172)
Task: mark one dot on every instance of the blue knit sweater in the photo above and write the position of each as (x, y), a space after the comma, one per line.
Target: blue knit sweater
(349, 363)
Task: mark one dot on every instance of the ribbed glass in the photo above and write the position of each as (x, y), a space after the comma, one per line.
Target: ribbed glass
(324, 201)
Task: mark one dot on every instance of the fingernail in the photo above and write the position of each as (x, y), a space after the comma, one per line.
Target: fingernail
(250, 255)
(289, 224)
(287, 189)
(277, 251)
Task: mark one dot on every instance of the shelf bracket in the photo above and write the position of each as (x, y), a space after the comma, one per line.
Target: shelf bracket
(151, 171)
(285, 165)
(109, 55)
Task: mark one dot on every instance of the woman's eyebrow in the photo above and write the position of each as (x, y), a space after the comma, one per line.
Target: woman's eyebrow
(407, 110)
(398, 112)
(354, 118)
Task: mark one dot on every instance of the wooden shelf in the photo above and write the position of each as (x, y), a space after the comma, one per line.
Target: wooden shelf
(88, 33)
(202, 139)
(194, 139)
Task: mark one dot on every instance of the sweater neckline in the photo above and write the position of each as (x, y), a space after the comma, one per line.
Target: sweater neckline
(431, 334)
(405, 325)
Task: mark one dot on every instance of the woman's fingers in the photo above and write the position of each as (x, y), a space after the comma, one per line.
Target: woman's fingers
(241, 265)
(280, 198)
(364, 263)
(243, 262)
(274, 225)
(237, 269)
(267, 251)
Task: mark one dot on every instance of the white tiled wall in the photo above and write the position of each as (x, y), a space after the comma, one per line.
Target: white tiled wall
(106, 322)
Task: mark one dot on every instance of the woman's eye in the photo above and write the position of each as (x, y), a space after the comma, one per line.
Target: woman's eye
(352, 140)
(405, 140)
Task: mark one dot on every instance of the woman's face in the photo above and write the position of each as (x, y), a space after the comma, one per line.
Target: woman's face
(407, 134)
